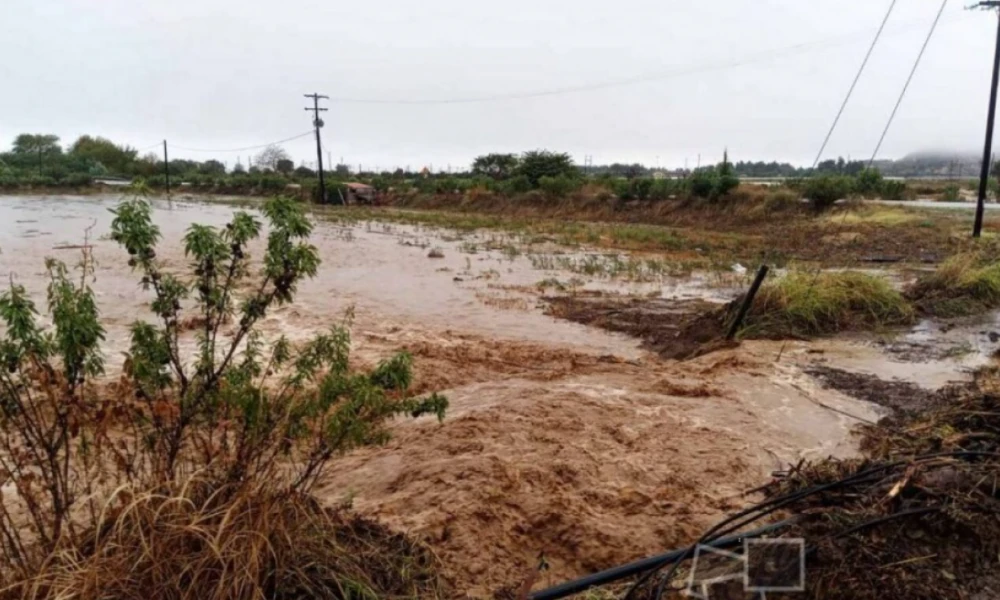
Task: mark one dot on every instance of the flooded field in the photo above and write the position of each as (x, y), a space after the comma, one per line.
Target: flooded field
(562, 438)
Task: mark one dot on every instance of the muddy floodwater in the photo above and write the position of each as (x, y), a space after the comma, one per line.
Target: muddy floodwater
(561, 438)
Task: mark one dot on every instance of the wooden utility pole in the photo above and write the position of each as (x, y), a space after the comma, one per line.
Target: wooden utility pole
(166, 166)
(984, 173)
(318, 123)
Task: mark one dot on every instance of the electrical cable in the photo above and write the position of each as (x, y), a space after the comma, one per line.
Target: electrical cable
(295, 137)
(705, 67)
(754, 513)
(857, 78)
(937, 19)
(909, 79)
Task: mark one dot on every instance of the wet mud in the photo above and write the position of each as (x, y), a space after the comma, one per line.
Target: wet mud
(901, 396)
(674, 329)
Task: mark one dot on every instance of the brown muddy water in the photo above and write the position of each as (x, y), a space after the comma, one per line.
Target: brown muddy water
(561, 439)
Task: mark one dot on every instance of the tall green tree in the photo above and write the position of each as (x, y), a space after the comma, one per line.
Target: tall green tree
(542, 163)
(115, 158)
(212, 167)
(43, 144)
(497, 166)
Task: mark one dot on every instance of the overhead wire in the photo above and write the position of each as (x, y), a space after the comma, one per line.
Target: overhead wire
(680, 71)
(909, 79)
(923, 48)
(245, 148)
(854, 84)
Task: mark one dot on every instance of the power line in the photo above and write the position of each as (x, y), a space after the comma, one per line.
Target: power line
(906, 86)
(676, 72)
(815, 278)
(857, 78)
(295, 137)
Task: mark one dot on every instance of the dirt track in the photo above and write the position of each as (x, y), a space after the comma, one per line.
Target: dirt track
(562, 439)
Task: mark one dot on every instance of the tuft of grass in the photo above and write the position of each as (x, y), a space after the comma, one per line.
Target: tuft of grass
(805, 304)
(965, 284)
(889, 216)
(254, 540)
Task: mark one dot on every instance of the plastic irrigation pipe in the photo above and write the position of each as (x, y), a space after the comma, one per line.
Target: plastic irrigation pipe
(634, 568)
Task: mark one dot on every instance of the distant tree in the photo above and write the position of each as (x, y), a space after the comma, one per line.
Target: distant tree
(117, 159)
(269, 157)
(212, 167)
(541, 163)
(182, 167)
(497, 166)
(147, 165)
(304, 172)
(41, 144)
(38, 146)
(342, 171)
(239, 169)
(284, 166)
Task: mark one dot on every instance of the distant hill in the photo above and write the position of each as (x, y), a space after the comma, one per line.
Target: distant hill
(938, 163)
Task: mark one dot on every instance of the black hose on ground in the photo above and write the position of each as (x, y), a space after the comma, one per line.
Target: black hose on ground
(634, 568)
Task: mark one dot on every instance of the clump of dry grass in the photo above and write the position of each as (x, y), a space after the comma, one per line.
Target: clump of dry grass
(923, 522)
(256, 540)
(966, 284)
(804, 305)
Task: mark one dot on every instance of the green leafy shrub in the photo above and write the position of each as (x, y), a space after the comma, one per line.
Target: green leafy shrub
(270, 182)
(952, 193)
(825, 190)
(892, 189)
(256, 419)
(663, 189)
(519, 184)
(559, 186)
(541, 163)
(869, 182)
(78, 179)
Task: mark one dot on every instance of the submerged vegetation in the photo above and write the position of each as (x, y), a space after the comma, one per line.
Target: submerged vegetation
(189, 475)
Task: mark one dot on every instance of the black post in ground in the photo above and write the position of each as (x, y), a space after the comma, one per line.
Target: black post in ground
(747, 302)
(984, 174)
(317, 123)
(166, 166)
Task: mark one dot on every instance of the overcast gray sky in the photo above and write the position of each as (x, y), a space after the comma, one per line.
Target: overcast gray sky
(763, 77)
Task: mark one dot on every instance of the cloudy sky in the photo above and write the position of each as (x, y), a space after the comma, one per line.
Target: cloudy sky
(437, 82)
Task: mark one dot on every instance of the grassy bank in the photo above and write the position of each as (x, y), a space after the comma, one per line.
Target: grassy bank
(807, 305)
(966, 284)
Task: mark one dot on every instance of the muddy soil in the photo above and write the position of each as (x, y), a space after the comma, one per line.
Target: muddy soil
(674, 329)
(901, 396)
(741, 229)
(562, 438)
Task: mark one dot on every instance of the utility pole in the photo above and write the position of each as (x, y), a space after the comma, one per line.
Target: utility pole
(984, 173)
(318, 123)
(166, 166)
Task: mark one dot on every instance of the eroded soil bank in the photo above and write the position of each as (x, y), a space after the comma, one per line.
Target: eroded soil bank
(563, 438)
